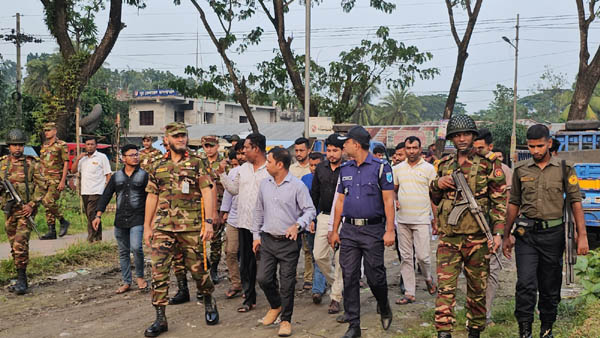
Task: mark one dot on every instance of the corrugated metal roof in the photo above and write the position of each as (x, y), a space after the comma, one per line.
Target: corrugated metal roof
(282, 131)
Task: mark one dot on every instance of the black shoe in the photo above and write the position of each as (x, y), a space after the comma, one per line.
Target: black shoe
(160, 323)
(386, 316)
(183, 293)
(524, 329)
(474, 333)
(444, 334)
(211, 314)
(341, 319)
(546, 330)
(64, 227)
(51, 234)
(21, 286)
(352, 332)
(317, 298)
(214, 273)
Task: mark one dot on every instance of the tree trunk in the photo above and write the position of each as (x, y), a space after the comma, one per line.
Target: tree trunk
(239, 89)
(587, 78)
(278, 21)
(456, 80)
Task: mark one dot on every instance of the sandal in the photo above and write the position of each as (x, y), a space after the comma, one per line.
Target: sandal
(123, 288)
(405, 300)
(232, 293)
(246, 308)
(431, 287)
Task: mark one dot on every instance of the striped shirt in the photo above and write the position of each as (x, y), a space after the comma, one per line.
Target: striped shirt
(413, 192)
(230, 202)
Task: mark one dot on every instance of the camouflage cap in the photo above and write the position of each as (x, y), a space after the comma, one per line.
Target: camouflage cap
(49, 126)
(210, 139)
(175, 128)
(147, 137)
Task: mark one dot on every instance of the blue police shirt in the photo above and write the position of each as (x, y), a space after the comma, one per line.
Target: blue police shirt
(362, 187)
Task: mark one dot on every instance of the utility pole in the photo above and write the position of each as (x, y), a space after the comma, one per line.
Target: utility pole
(513, 136)
(18, 39)
(19, 97)
(307, 72)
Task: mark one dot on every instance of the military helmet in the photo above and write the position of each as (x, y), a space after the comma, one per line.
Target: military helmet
(460, 123)
(15, 136)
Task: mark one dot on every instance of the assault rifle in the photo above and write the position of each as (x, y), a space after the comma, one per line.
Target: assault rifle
(468, 201)
(15, 200)
(570, 244)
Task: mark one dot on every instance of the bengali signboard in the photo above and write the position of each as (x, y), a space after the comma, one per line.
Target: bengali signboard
(157, 92)
(320, 127)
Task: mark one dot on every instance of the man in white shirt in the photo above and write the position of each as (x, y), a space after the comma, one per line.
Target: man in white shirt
(411, 180)
(300, 168)
(94, 172)
(245, 185)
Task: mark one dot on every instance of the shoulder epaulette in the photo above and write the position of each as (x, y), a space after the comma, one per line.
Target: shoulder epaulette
(345, 164)
(491, 156)
(446, 158)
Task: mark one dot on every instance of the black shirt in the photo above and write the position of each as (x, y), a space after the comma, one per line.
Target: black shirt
(131, 197)
(323, 186)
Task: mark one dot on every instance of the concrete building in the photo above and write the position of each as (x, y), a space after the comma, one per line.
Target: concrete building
(151, 110)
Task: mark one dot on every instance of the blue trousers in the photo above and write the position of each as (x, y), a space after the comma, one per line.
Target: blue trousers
(358, 243)
(319, 281)
(130, 240)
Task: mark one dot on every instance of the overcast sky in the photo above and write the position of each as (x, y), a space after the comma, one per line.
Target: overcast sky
(163, 36)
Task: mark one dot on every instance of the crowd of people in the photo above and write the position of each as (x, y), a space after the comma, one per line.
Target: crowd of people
(340, 208)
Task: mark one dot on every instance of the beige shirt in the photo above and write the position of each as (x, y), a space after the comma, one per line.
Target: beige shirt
(297, 170)
(413, 192)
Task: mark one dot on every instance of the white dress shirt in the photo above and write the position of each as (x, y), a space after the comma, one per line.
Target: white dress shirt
(93, 170)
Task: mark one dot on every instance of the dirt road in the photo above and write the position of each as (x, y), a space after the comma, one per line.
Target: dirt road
(86, 306)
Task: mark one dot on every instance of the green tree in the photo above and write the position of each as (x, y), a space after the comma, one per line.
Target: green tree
(400, 106)
(433, 106)
(73, 24)
(501, 107)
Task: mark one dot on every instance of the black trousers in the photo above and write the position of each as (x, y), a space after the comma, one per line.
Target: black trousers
(284, 253)
(247, 266)
(358, 243)
(539, 257)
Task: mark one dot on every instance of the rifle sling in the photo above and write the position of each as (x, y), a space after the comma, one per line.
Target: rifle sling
(26, 180)
(567, 206)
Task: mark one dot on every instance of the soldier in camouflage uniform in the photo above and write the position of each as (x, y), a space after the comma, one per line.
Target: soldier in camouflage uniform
(176, 185)
(54, 159)
(465, 244)
(149, 154)
(25, 174)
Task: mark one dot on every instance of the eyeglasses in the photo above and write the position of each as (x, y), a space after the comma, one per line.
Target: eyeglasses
(132, 155)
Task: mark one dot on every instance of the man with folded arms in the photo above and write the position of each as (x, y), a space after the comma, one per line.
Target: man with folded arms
(283, 209)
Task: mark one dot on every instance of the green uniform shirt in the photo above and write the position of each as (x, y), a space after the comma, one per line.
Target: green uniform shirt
(214, 175)
(177, 186)
(148, 157)
(539, 192)
(13, 169)
(52, 159)
(488, 185)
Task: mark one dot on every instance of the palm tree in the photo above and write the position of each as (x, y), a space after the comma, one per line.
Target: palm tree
(367, 113)
(400, 106)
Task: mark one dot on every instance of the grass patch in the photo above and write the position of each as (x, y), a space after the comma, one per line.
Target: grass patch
(77, 255)
(69, 205)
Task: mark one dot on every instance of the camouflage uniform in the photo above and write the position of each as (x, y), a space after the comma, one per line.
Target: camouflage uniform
(52, 159)
(465, 243)
(17, 228)
(148, 157)
(177, 225)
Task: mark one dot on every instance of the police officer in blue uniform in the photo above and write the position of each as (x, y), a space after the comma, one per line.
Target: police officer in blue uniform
(366, 205)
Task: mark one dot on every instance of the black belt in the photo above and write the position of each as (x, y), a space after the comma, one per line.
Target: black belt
(325, 213)
(364, 221)
(279, 238)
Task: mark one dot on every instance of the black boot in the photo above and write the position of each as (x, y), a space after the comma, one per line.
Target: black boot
(21, 286)
(51, 234)
(444, 334)
(183, 293)
(524, 329)
(474, 333)
(214, 273)
(546, 330)
(386, 316)
(64, 227)
(160, 324)
(352, 332)
(211, 314)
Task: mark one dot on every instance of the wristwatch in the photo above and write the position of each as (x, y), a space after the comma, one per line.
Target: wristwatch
(209, 220)
(299, 227)
(499, 234)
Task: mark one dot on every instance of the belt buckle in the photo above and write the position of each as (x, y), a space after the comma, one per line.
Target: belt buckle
(360, 222)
